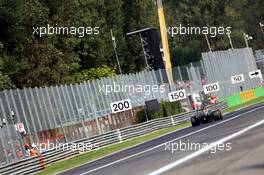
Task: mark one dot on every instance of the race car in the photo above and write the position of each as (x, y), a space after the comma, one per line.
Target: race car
(206, 116)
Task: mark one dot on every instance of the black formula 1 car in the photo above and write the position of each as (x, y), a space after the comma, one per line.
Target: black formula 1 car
(206, 116)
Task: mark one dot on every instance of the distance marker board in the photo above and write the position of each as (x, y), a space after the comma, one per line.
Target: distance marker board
(177, 95)
(209, 88)
(120, 106)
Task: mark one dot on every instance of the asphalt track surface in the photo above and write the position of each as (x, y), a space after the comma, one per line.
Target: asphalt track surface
(245, 157)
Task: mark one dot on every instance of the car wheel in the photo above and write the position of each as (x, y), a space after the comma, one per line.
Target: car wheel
(210, 117)
(220, 115)
(216, 116)
(195, 121)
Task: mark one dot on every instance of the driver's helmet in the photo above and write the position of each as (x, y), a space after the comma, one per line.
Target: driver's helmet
(205, 109)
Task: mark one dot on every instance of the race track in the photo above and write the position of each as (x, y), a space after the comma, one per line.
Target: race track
(243, 130)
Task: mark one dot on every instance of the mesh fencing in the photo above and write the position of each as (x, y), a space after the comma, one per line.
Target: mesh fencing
(221, 65)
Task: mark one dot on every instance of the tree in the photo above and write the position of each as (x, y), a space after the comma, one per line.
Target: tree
(252, 13)
(94, 73)
(30, 60)
(213, 13)
(5, 82)
(46, 60)
(138, 14)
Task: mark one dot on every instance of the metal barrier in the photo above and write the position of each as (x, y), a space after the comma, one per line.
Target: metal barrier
(31, 165)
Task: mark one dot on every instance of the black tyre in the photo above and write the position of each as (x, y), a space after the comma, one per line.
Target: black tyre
(195, 121)
(220, 115)
(216, 115)
(210, 117)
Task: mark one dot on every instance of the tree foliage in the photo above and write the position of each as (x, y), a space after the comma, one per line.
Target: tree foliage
(5, 82)
(94, 73)
(30, 60)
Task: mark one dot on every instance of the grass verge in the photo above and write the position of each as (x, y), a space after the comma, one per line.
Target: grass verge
(246, 104)
(93, 155)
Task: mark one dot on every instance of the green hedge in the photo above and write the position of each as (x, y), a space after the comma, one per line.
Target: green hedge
(165, 109)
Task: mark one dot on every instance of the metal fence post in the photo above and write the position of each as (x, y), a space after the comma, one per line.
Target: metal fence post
(53, 115)
(58, 111)
(63, 113)
(45, 108)
(44, 121)
(23, 111)
(82, 113)
(96, 119)
(172, 121)
(35, 110)
(31, 115)
(77, 109)
(119, 135)
(9, 133)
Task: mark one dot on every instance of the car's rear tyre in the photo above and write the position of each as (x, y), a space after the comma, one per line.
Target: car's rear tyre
(210, 117)
(220, 115)
(217, 115)
(195, 121)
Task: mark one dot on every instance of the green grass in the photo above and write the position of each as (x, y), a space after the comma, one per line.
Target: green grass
(246, 104)
(90, 156)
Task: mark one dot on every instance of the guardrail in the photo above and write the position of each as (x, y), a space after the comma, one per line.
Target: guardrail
(33, 165)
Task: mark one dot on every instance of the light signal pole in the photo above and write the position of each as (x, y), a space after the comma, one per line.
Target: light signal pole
(165, 43)
(116, 55)
(247, 38)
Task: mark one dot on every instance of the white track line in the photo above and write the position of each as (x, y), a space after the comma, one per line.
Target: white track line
(201, 151)
(147, 150)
